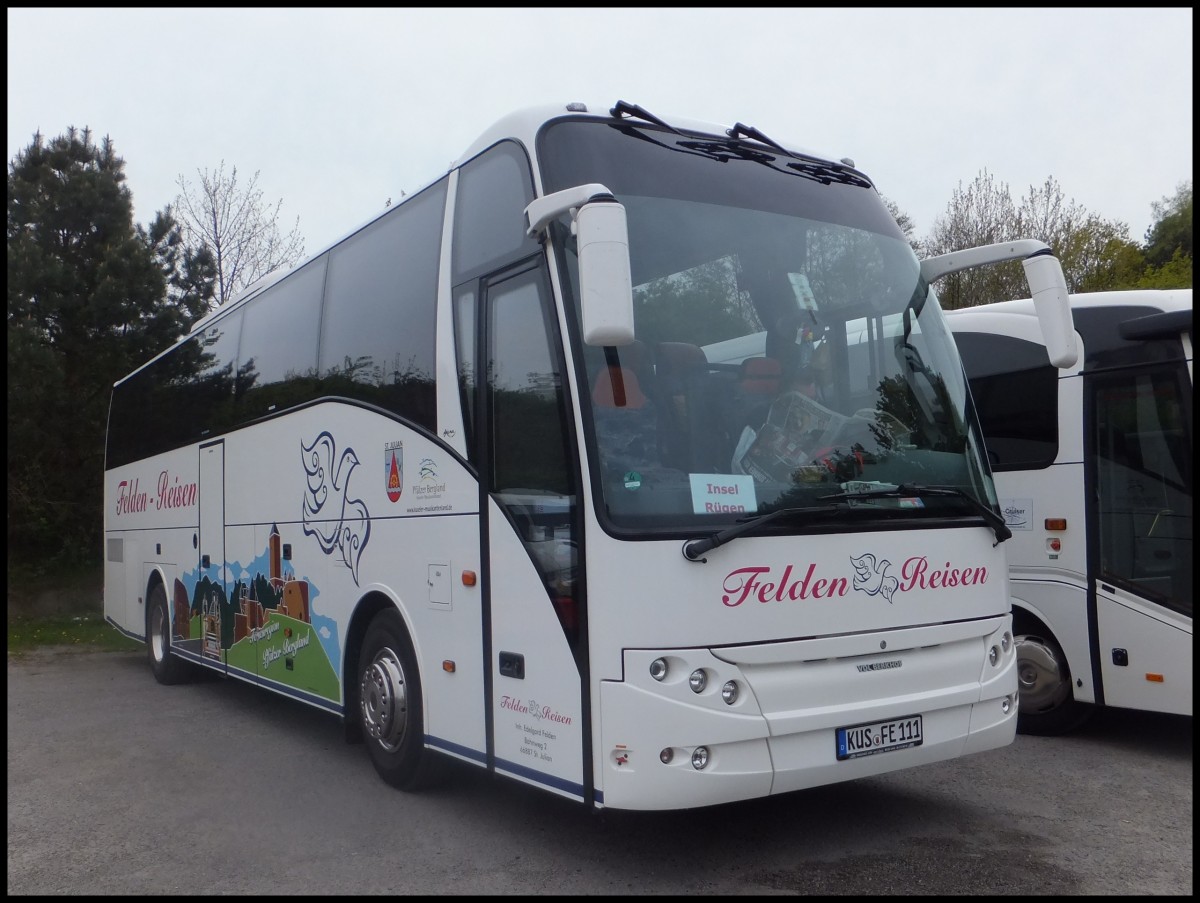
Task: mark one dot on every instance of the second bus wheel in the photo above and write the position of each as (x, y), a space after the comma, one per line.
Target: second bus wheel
(390, 709)
(1047, 705)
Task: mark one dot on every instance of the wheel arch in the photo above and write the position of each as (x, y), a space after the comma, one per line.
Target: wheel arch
(1028, 618)
(155, 577)
(1041, 654)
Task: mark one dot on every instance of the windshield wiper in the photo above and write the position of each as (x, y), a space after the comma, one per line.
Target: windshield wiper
(913, 490)
(819, 169)
(736, 148)
(750, 131)
(694, 548)
(623, 109)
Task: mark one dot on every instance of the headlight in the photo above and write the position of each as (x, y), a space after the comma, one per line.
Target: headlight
(729, 692)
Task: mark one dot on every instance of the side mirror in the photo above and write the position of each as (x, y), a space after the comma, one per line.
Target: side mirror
(1048, 288)
(602, 239)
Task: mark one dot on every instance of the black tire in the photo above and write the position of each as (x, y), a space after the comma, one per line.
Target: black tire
(390, 709)
(168, 669)
(1047, 706)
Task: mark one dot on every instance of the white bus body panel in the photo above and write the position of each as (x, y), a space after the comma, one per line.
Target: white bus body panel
(1158, 677)
(147, 531)
(537, 716)
(848, 626)
(1060, 602)
(309, 504)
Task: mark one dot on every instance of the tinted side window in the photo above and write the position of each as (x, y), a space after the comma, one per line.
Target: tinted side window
(528, 422)
(1142, 437)
(182, 397)
(1105, 346)
(209, 386)
(489, 217)
(278, 355)
(127, 418)
(381, 308)
(1015, 389)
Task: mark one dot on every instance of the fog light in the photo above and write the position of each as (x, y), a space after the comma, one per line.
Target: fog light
(729, 692)
(994, 654)
(658, 668)
(1006, 641)
(699, 757)
(666, 756)
(1006, 705)
(698, 680)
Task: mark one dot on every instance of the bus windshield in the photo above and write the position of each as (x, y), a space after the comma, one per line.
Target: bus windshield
(787, 347)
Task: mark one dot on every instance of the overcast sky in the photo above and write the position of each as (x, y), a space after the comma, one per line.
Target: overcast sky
(338, 110)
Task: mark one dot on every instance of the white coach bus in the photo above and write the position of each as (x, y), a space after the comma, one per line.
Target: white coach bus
(1093, 464)
(468, 480)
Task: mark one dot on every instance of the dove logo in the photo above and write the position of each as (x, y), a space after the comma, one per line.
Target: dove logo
(341, 524)
(871, 576)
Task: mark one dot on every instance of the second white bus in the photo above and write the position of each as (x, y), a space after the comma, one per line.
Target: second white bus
(1093, 464)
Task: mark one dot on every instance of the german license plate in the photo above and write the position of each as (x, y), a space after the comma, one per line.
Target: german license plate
(878, 737)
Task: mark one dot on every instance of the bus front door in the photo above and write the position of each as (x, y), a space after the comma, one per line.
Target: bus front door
(536, 698)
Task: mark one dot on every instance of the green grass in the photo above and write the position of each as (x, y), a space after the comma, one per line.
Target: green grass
(87, 632)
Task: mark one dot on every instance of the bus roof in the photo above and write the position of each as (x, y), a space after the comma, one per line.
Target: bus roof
(521, 125)
(1163, 299)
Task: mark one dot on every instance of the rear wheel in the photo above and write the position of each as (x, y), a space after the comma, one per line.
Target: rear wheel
(1047, 702)
(390, 709)
(167, 668)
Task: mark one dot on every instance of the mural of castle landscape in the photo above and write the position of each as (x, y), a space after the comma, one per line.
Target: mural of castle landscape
(265, 627)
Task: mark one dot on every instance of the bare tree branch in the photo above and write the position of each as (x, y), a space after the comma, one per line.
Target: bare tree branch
(237, 227)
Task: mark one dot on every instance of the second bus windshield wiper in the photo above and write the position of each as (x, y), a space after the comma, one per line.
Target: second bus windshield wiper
(912, 490)
(694, 548)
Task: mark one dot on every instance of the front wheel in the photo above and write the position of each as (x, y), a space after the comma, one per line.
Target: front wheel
(167, 668)
(390, 709)
(1047, 704)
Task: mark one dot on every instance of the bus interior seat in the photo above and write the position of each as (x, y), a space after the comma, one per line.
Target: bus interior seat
(781, 344)
(627, 422)
(618, 387)
(637, 357)
(634, 357)
(690, 433)
(759, 380)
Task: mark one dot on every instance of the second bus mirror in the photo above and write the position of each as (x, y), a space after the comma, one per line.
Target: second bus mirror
(1048, 288)
(605, 282)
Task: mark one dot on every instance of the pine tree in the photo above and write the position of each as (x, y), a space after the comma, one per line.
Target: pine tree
(87, 302)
